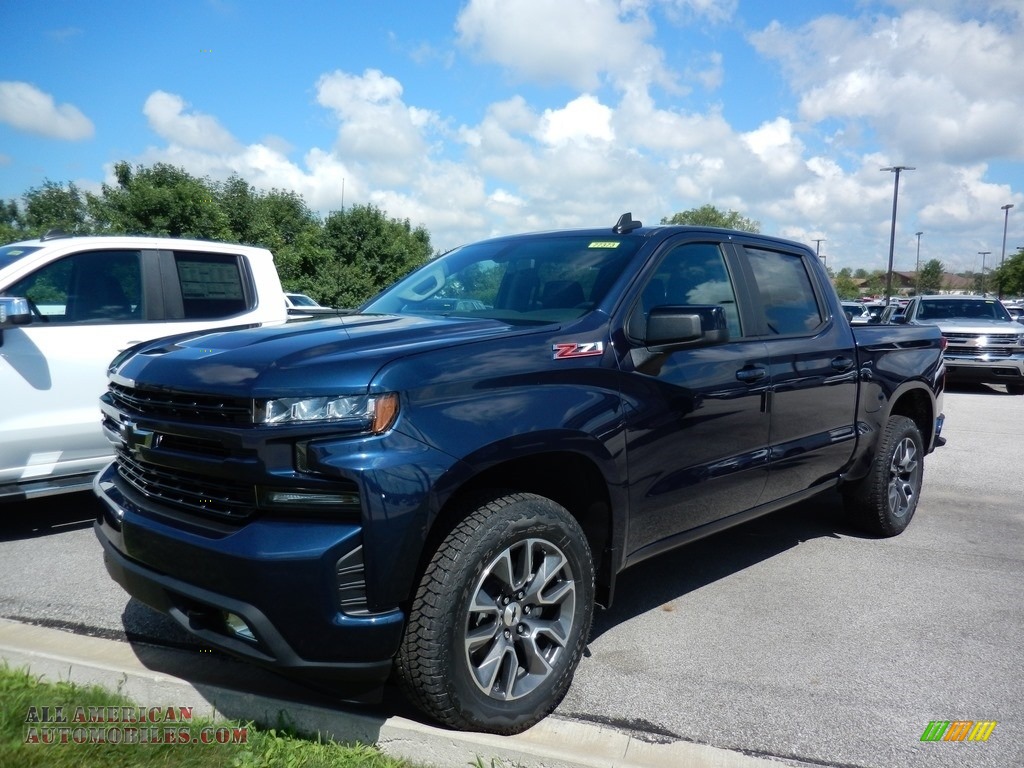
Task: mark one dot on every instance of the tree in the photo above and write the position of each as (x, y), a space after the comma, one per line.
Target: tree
(709, 216)
(162, 200)
(11, 229)
(846, 286)
(929, 279)
(1010, 276)
(54, 206)
(368, 252)
(875, 282)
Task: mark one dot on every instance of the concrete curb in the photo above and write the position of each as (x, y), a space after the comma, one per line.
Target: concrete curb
(219, 689)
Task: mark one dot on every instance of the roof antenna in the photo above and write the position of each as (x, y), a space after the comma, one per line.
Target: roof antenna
(626, 224)
(53, 234)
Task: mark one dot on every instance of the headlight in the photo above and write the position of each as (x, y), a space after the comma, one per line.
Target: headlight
(363, 413)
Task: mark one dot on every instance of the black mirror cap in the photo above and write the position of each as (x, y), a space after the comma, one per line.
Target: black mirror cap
(698, 325)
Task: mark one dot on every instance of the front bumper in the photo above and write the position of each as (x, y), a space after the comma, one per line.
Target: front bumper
(984, 369)
(276, 581)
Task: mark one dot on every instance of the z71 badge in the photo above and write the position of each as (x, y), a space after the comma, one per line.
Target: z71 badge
(577, 349)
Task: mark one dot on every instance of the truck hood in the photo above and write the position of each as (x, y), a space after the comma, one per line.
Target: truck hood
(975, 325)
(336, 356)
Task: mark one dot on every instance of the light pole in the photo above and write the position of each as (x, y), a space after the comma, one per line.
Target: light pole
(1006, 220)
(820, 240)
(983, 255)
(917, 270)
(892, 234)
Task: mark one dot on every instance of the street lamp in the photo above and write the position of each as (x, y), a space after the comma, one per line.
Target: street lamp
(892, 234)
(917, 271)
(983, 255)
(820, 240)
(1006, 219)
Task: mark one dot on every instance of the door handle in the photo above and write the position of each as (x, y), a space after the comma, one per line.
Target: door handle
(842, 363)
(751, 373)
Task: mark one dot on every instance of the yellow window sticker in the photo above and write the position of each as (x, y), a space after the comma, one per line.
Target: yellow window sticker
(604, 244)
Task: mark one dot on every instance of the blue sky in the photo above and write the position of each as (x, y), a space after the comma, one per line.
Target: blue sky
(484, 117)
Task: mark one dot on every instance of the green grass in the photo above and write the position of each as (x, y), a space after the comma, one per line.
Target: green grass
(281, 747)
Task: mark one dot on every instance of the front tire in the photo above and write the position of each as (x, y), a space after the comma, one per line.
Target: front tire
(884, 502)
(501, 617)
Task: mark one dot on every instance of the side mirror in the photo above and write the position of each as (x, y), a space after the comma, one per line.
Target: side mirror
(13, 311)
(698, 325)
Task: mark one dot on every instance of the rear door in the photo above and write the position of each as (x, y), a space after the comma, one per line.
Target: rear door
(813, 371)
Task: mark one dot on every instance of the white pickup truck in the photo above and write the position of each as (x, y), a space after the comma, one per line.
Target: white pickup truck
(68, 305)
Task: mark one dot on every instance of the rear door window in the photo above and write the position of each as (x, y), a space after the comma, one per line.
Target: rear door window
(212, 286)
(790, 304)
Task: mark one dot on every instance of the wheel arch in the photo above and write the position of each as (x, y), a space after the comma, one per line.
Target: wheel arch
(918, 405)
(570, 478)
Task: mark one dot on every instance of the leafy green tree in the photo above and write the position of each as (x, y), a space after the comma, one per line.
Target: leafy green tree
(162, 200)
(861, 274)
(710, 216)
(1010, 276)
(54, 206)
(11, 229)
(369, 252)
(929, 279)
(875, 282)
(846, 286)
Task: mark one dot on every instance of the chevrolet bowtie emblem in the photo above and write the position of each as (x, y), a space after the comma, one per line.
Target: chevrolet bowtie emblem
(135, 437)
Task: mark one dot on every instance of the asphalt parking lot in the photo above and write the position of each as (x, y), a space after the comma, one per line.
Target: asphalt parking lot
(792, 637)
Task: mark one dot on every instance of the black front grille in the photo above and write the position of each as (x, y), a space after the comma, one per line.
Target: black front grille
(202, 409)
(217, 498)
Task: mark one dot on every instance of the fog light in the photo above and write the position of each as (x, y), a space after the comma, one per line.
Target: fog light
(238, 627)
(270, 497)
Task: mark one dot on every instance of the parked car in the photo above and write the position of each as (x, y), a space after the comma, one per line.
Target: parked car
(447, 496)
(300, 300)
(983, 342)
(70, 304)
(856, 312)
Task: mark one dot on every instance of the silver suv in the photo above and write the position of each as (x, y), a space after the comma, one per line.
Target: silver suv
(983, 343)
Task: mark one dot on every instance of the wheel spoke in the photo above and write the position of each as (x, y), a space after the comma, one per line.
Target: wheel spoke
(488, 673)
(480, 636)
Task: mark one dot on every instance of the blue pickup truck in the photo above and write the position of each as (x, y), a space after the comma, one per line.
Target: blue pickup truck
(441, 485)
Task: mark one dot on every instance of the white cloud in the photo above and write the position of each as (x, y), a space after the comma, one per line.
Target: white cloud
(167, 116)
(575, 42)
(376, 128)
(933, 87)
(809, 169)
(31, 110)
(582, 120)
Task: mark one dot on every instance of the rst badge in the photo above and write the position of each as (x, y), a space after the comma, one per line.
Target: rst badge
(577, 349)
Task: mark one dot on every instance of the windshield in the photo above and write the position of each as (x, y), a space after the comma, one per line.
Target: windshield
(529, 279)
(963, 309)
(11, 253)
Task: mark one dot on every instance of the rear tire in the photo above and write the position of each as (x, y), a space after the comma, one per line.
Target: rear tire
(884, 502)
(501, 617)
